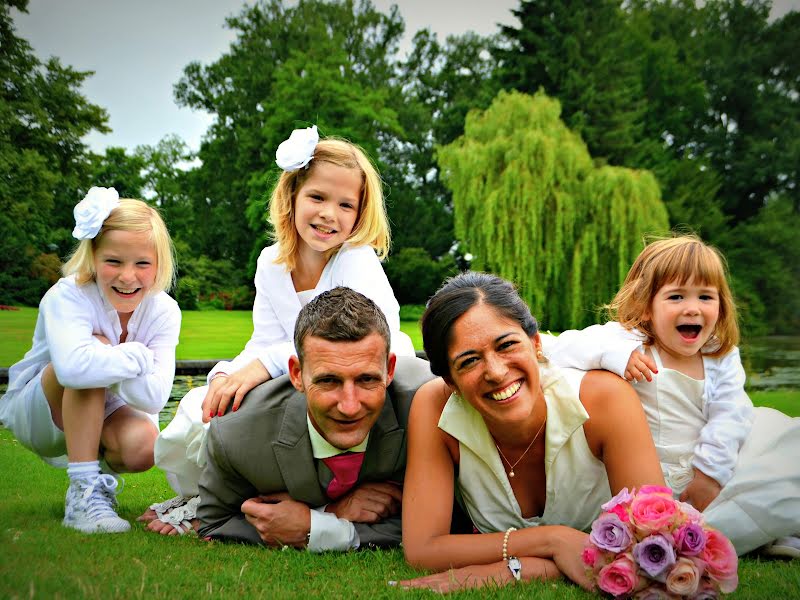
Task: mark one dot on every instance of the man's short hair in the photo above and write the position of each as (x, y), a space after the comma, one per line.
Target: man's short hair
(340, 315)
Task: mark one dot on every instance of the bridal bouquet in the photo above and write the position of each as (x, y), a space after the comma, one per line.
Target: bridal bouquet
(647, 545)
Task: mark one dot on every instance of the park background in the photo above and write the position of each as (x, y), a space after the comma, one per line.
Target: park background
(543, 151)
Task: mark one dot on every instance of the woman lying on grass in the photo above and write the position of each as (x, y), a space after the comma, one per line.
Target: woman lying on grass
(531, 450)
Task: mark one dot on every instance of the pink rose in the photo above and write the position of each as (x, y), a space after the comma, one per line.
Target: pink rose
(683, 578)
(655, 512)
(618, 578)
(691, 514)
(721, 561)
(621, 511)
(655, 489)
(589, 556)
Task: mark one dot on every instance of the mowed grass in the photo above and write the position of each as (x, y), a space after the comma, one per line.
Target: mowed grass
(209, 334)
(786, 401)
(16, 333)
(41, 559)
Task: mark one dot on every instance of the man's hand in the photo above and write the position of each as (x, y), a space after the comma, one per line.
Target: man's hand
(701, 490)
(224, 388)
(640, 367)
(279, 520)
(368, 503)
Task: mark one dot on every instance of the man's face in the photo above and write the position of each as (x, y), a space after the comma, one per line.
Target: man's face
(345, 385)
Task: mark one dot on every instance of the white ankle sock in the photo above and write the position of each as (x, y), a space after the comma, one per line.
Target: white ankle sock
(83, 470)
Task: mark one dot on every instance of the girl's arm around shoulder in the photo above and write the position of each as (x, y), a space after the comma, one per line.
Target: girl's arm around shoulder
(617, 431)
(607, 346)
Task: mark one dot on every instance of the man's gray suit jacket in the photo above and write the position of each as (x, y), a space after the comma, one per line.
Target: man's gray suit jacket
(264, 448)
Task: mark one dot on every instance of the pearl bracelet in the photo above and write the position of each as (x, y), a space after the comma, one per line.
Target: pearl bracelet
(505, 542)
(513, 563)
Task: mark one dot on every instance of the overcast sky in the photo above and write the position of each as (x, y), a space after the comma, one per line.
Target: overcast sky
(139, 48)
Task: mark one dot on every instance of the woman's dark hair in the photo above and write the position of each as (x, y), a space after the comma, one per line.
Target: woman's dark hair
(456, 296)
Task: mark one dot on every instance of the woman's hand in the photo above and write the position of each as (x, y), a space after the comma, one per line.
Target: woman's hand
(640, 367)
(476, 576)
(701, 491)
(224, 388)
(567, 546)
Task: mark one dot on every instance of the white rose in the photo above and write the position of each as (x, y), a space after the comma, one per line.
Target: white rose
(296, 152)
(92, 211)
(679, 476)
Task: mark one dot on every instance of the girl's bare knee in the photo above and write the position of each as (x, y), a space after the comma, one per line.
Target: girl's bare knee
(138, 444)
(139, 460)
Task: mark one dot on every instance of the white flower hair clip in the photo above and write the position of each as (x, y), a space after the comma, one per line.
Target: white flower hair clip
(296, 152)
(92, 211)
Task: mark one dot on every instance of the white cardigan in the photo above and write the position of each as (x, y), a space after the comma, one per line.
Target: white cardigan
(139, 371)
(726, 406)
(277, 305)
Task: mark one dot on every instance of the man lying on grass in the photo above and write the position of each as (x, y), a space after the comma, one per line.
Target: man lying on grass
(316, 459)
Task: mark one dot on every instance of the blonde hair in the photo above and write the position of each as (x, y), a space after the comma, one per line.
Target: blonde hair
(130, 215)
(679, 259)
(371, 226)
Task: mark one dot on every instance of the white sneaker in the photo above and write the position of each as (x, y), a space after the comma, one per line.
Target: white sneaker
(787, 547)
(90, 506)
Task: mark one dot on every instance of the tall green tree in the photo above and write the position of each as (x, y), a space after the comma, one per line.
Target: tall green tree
(120, 170)
(584, 54)
(43, 119)
(531, 205)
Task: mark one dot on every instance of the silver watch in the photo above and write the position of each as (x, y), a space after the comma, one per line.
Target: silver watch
(515, 567)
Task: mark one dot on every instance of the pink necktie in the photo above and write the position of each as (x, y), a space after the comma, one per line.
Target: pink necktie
(345, 468)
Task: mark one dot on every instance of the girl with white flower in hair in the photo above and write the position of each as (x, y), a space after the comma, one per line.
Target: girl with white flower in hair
(103, 357)
(330, 229)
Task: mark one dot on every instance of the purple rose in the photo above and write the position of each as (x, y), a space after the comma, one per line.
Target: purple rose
(610, 533)
(655, 555)
(690, 539)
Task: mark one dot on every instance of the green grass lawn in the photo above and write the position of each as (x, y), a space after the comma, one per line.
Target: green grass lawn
(44, 560)
(204, 334)
(16, 333)
(41, 559)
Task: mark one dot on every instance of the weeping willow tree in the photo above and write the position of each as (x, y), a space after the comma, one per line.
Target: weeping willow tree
(530, 205)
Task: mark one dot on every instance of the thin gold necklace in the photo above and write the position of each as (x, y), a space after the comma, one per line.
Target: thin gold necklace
(508, 462)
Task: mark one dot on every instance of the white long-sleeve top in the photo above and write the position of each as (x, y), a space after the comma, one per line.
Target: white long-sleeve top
(726, 406)
(277, 305)
(139, 370)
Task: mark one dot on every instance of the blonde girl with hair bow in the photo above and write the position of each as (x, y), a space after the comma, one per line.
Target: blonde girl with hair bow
(330, 229)
(103, 357)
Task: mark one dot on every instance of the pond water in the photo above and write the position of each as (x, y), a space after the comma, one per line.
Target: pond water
(771, 363)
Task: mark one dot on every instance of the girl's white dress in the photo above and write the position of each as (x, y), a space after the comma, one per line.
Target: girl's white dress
(761, 501)
(180, 448)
